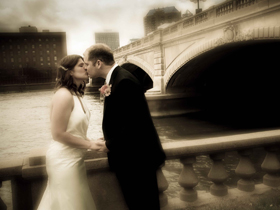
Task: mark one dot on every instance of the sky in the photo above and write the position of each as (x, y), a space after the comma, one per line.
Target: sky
(80, 19)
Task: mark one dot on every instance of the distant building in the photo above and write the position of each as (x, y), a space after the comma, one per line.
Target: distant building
(157, 17)
(30, 56)
(109, 38)
(28, 29)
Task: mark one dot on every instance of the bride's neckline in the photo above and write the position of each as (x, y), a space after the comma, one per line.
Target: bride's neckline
(81, 103)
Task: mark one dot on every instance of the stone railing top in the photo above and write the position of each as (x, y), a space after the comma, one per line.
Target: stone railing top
(179, 149)
(10, 168)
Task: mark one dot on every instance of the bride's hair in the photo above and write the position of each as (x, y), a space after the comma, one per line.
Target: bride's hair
(64, 79)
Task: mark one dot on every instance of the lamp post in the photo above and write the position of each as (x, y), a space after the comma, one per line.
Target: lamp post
(198, 10)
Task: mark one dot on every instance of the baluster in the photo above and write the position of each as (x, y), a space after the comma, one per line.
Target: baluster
(2, 204)
(188, 180)
(234, 5)
(218, 175)
(271, 166)
(162, 186)
(245, 170)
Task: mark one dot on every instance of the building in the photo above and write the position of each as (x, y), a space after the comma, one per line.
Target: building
(157, 17)
(28, 29)
(109, 38)
(30, 56)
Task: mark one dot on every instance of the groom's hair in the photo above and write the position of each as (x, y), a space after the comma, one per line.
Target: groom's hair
(100, 52)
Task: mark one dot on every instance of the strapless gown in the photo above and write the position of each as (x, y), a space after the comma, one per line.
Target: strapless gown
(67, 186)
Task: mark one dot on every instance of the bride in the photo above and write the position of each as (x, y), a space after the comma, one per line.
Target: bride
(67, 186)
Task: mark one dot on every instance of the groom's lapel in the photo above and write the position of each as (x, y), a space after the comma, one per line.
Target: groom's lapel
(114, 74)
(112, 81)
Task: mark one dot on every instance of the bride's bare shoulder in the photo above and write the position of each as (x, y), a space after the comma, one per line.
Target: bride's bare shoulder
(63, 94)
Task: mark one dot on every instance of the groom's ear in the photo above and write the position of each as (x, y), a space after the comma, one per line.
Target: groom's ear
(99, 64)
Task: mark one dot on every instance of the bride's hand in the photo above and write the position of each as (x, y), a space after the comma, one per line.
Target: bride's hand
(94, 145)
(102, 145)
(98, 145)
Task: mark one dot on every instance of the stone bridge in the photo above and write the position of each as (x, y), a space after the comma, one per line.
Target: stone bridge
(224, 58)
(225, 45)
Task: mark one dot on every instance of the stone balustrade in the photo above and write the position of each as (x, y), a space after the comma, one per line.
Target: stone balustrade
(28, 176)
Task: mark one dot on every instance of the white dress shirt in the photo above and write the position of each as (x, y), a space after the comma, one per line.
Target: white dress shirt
(108, 77)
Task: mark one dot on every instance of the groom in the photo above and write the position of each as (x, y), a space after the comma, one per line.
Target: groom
(135, 151)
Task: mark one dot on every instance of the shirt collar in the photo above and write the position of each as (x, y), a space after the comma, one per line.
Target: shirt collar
(108, 77)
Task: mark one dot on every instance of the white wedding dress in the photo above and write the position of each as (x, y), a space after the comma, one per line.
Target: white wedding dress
(67, 186)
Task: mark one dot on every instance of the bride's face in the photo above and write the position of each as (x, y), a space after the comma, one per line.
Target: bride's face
(79, 72)
(91, 68)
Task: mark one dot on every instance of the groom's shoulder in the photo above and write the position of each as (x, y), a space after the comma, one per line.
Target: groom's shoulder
(124, 74)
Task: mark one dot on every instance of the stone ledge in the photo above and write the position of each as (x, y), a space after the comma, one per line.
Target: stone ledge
(37, 156)
(162, 105)
(10, 168)
(30, 172)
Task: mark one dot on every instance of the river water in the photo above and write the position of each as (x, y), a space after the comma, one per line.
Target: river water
(24, 125)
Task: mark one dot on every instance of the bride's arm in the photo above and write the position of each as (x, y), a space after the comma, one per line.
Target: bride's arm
(62, 106)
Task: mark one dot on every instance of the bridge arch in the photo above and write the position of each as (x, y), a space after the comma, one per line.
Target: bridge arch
(231, 35)
(234, 79)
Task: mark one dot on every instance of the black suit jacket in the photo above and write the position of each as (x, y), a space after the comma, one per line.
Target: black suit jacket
(127, 125)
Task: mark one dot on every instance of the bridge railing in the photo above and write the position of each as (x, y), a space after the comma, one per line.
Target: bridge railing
(29, 176)
(188, 25)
